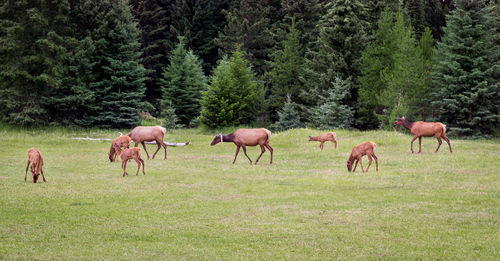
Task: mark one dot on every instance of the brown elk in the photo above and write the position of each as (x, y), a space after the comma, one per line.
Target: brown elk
(36, 160)
(424, 129)
(141, 134)
(323, 137)
(133, 153)
(368, 149)
(117, 145)
(247, 137)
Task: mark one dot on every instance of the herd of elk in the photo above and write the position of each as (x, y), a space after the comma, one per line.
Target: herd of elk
(247, 137)
(323, 137)
(36, 160)
(366, 148)
(424, 129)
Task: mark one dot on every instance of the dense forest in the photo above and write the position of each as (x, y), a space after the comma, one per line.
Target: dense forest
(355, 64)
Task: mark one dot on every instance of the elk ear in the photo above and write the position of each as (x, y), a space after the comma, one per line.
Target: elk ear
(309, 136)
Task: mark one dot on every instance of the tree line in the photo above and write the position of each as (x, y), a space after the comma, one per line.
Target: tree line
(277, 63)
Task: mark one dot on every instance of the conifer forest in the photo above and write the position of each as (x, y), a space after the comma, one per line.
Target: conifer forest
(281, 64)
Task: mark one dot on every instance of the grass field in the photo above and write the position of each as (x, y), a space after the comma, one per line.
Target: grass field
(197, 205)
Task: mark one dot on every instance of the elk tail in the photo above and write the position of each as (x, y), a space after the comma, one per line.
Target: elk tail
(444, 129)
(268, 134)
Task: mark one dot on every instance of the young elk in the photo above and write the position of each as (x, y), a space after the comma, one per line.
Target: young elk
(117, 145)
(36, 160)
(323, 137)
(141, 134)
(247, 137)
(424, 129)
(133, 153)
(368, 149)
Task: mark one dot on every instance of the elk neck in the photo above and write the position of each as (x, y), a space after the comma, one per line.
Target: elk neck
(407, 124)
(228, 138)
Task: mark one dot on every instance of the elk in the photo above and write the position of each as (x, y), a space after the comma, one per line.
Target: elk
(36, 160)
(141, 134)
(323, 137)
(247, 137)
(424, 129)
(117, 145)
(368, 149)
(133, 153)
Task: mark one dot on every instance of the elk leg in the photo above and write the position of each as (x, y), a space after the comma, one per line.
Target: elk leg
(355, 165)
(376, 160)
(25, 175)
(439, 143)
(414, 138)
(361, 163)
(262, 152)
(270, 150)
(447, 141)
(165, 149)
(419, 144)
(369, 162)
(157, 149)
(43, 176)
(142, 162)
(321, 145)
(124, 166)
(245, 151)
(144, 146)
(334, 141)
(236, 155)
(138, 166)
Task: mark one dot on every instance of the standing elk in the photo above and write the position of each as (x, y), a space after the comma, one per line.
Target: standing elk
(368, 149)
(141, 134)
(117, 145)
(36, 160)
(323, 137)
(247, 137)
(424, 129)
(133, 153)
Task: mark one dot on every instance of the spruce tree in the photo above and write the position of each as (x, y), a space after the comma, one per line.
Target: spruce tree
(182, 83)
(466, 78)
(288, 116)
(231, 98)
(332, 113)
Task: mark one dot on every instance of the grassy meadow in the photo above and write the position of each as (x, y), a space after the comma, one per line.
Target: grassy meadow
(197, 205)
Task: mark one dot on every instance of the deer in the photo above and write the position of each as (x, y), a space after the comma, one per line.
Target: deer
(36, 160)
(323, 137)
(366, 148)
(247, 137)
(117, 145)
(133, 153)
(141, 134)
(424, 129)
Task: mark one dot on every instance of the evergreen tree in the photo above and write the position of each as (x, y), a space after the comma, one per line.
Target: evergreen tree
(119, 84)
(466, 76)
(182, 83)
(170, 118)
(332, 113)
(341, 40)
(231, 97)
(286, 71)
(288, 116)
(248, 26)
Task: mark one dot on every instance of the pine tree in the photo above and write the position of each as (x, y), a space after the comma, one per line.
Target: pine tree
(182, 83)
(248, 26)
(231, 98)
(288, 116)
(119, 84)
(466, 78)
(332, 113)
(286, 71)
(170, 118)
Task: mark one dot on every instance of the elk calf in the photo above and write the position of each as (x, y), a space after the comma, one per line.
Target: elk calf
(323, 137)
(133, 153)
(368, 149)
(117, 145)
(36, 160)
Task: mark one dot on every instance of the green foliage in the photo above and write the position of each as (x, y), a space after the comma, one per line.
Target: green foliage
(182, 83)
(170, 118)
(466, 75)
(288, 116)
(333, 113)
(231, 98)
(286, 71)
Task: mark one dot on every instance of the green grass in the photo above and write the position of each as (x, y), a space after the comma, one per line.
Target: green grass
(197, 205)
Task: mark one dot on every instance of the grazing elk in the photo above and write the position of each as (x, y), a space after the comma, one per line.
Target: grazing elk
(36, 160)
(141, 134)
(368, 149)
(133, 153)
(247, 137)
(117, 145)
(424, 129)
(323, 137)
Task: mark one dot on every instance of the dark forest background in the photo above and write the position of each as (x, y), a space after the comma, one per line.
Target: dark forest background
(278, 63)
